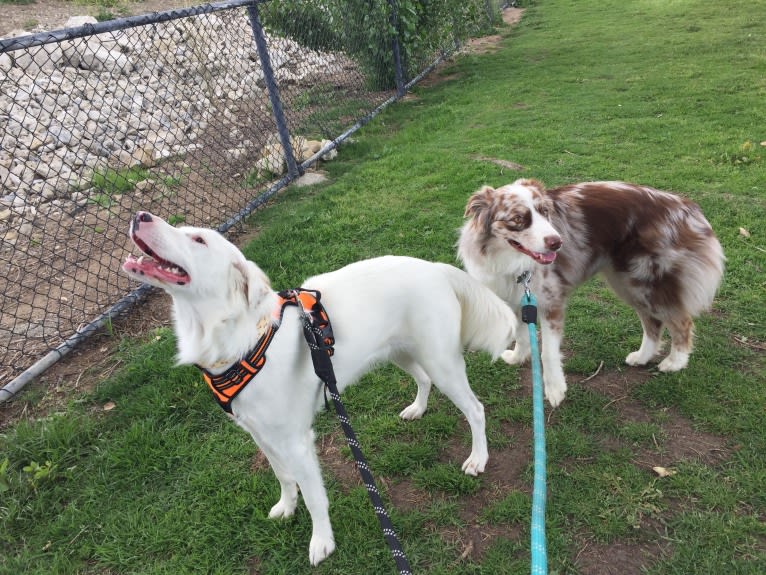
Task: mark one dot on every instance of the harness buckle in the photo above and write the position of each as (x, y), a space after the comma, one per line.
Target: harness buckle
(316, 328)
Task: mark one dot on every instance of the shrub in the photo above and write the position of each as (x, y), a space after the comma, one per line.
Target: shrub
(364, 30)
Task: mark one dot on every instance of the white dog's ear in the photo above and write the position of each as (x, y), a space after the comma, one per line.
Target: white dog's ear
(251, 281)
(480, 207)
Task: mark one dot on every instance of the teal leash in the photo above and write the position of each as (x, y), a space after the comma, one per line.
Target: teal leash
(538, 547)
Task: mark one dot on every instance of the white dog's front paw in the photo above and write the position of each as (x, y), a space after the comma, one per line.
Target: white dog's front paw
(475, 464)
(282, 510)
(320, 548)
(514, 356)
(413, 411)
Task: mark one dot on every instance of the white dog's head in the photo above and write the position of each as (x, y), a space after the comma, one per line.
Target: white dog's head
(518, 215)
(197, 265)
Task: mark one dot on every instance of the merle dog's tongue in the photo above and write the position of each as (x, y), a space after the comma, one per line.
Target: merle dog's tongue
(547, 257)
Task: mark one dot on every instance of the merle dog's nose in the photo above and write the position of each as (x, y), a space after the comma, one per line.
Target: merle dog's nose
(553, 243)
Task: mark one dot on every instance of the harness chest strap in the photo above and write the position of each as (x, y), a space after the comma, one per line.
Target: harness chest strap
(227, 385)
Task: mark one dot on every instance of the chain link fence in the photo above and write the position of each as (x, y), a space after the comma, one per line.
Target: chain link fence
(198, 115)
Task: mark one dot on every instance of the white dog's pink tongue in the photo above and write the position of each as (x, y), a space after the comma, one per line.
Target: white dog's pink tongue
(147, 267)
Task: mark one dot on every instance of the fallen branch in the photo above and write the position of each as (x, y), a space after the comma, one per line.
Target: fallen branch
(752, 345)
(595, 373)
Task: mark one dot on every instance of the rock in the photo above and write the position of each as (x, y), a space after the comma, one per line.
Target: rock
(94, 57)
(5, 63)
(310, 178)
(332, 154)
(77, 21)
(144, 186)
(137, 96)
(10, 237)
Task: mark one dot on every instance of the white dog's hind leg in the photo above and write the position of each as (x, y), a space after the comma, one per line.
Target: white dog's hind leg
(474, 413)
(418, 407)
(451, 380)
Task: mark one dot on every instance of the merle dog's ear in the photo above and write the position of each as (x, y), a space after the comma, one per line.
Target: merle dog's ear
(537, 185)
(251, 281)
(479, 207)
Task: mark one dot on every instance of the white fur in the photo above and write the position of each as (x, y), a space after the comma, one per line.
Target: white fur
(416, 314)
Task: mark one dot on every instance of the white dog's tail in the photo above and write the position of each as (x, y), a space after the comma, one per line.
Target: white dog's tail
(487, 323)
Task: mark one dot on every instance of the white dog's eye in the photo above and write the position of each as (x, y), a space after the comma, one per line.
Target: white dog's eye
(200, 240)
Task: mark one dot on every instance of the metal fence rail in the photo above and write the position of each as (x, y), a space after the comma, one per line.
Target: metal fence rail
(197, 114)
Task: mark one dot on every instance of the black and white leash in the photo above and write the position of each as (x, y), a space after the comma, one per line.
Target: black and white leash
(320, 356)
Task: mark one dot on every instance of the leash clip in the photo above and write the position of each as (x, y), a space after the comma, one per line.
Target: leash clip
(528, 302)
(525, 279)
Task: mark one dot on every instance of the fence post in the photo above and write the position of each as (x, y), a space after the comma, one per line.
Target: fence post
(488, 10)
(399, 73)
(293, 170)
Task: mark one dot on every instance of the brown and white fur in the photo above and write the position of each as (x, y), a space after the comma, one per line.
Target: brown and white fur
(417, 314)
(655, 249)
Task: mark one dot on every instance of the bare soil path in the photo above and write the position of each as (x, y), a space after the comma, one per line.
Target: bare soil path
(47, 15)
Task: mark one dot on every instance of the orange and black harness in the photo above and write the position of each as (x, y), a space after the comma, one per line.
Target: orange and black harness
(227, 385)
(318, 333)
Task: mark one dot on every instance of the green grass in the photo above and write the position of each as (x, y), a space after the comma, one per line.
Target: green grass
(111, 182)
(669, 94)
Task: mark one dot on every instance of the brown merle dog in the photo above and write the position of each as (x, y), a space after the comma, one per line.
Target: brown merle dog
(656, 250)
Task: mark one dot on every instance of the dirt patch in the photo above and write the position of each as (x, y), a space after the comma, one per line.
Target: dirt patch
(504, 474)
(619, 558)
(475, 538)
(86, 366)
(46, 15)
(678, 440)
(508, 472)
(484, 45)
(343, 469)
(512, 16)
(490, 44)
(505, 164)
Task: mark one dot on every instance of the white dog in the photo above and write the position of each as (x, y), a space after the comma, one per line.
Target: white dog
(656, 250)
(416, 314)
